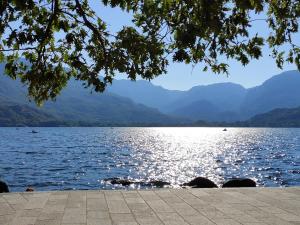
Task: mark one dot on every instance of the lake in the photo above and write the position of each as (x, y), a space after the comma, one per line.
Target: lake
(85, 158)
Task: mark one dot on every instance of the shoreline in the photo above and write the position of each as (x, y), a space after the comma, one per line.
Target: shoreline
(155, 126)
(148, 189)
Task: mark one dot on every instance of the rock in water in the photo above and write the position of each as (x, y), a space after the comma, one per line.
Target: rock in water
(29, 189)
(122, 182)
(246, 182)
(126, 182)
(201, 182)
(159, 183)
(3, 187)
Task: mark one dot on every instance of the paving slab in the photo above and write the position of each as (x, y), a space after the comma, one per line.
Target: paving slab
(241, 206)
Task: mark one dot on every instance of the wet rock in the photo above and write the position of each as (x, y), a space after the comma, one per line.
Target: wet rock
(243, 182)
(110, 179)
(201, 182)
(159, 183)
(29, 189)
(126, 182)
(121, 182)
(3, 187)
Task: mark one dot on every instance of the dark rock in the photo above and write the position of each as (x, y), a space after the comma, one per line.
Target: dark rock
(122, 182)
(3, 187)
(159, 183)
(201, 182)
(125, 182)
(110, 179)
(239, 183)
(29, 189)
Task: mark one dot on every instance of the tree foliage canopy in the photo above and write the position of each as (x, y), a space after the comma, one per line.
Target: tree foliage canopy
(52, 35)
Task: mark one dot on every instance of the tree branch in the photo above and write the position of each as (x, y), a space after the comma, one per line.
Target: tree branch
(55, 10)
(95, 30)
(18, 49)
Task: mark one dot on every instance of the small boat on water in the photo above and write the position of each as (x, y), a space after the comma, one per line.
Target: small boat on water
(224, 129)
(34, 132)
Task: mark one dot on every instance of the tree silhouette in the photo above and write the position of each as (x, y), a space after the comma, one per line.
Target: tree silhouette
(52, 35)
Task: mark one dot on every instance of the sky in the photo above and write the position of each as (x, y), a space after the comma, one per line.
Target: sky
(180, 76)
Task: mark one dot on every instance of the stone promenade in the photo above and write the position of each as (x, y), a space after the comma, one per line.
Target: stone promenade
(248, 206)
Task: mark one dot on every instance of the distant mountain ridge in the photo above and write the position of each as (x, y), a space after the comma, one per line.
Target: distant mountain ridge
(223, 99)
(146, 93)
(142, 103)
(281, 91)
(285, 118)
(277, 118)
(75, 106)
(14, 114)
(219, 102)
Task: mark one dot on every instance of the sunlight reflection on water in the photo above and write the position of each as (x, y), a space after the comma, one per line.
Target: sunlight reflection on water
(82, 158)
(179, 154)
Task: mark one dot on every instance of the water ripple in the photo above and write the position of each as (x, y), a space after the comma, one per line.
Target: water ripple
(83, 158)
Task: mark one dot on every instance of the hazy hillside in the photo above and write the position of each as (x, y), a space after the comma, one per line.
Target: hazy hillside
(281, 91)
(225, 95)
(77, 104)
(274, 118)
(205, 111)
(217, 102)
(211, 102)
(11, 90)
(12, 114)
(146, 93)
(199, 109)
(277, 118)
(121, 103)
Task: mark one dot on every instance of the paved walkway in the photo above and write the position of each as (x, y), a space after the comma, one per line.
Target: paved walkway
(248, 206)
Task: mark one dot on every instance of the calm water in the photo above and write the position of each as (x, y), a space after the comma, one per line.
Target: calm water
(82, 158)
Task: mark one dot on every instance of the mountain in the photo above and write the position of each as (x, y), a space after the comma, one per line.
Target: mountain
(198, 109)
(11, 90)
(12, 114)
(141, 102)
(77, 106)
(144, 92)
(205, 111)
(225, 95)
(276, 118)
(216, 102)
(211, 102)
(281, 91)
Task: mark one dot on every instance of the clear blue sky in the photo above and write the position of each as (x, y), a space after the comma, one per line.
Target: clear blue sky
(182, 77)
